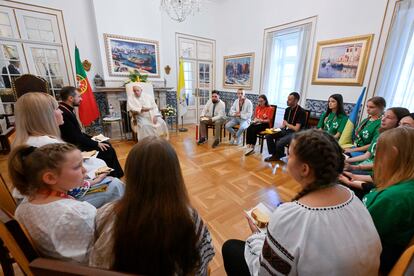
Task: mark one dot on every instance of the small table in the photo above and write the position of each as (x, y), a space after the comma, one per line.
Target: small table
(112, 119)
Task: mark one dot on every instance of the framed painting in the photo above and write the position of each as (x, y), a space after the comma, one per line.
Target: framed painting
(238, 71)
(342, 61)
(125, 54)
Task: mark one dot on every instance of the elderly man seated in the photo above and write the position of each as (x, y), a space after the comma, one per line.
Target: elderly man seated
(145, 110)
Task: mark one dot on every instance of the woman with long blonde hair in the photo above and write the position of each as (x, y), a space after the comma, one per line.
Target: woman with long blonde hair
(391, 204)
(37, 124)
(33, 118)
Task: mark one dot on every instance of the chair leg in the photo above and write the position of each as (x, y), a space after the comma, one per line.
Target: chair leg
(244, 138)
(261, 144)
(5, 261)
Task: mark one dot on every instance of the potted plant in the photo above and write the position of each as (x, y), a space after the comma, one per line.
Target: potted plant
(135, 76)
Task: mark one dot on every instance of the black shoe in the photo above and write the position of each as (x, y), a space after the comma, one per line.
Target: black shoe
(215, 144)
(202, 141)
(271, 158)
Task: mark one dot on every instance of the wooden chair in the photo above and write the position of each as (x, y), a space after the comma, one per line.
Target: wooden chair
(236, 128)
(262, 134)
(7, 201)
(29, 83)
(306, 126)
(405, 264)
(17, 243)
(148, 89)
(214, 130)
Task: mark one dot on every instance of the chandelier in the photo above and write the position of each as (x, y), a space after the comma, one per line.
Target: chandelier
(178, 10)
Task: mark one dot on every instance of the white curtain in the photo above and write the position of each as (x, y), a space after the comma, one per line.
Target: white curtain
(277, 83)
(396, 78)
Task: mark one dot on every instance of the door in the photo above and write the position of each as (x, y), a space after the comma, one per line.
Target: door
(198, 59)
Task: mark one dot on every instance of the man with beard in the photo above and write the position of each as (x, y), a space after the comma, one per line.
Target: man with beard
(214, 112)
(293, 120)
(71, 131)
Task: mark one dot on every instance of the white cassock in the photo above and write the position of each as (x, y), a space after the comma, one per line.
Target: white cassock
(145, 125)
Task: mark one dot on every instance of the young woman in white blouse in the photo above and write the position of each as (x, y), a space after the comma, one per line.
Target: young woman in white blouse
(325, 230)
(60, 226)
(37, 123)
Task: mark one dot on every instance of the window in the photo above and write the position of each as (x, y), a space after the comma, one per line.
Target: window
(285, 59)
(31, 42)
(396, 78)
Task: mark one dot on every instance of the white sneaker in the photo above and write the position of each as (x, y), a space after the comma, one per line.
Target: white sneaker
(239, 141)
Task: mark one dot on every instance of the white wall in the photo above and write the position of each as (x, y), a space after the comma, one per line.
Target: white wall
(243, 31)
(131, 18)
(236, 25)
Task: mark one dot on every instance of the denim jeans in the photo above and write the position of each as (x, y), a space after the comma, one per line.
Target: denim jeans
(237, 121)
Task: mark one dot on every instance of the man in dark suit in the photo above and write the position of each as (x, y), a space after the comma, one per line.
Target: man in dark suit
(71, 131)
(13, 70)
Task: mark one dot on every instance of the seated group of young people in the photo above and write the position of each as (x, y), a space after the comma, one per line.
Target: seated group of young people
(145, 226)
(152, 229)
(327, 219)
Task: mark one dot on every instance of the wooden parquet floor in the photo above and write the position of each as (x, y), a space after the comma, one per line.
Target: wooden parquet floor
(222, 183)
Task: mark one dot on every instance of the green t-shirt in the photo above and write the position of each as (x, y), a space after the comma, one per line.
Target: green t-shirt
(392, 211)
(333, 123)
(372, 149)
(366, 131)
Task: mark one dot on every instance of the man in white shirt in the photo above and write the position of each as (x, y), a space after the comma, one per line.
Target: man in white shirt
(241, 112)
(148, 117)
(214, 112)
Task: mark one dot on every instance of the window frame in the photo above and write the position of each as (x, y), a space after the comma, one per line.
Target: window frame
(56, 16)
(309, 52)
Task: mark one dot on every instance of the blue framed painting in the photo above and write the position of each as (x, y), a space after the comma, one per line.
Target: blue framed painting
(128, 54)
(342, 61)
(238, 71)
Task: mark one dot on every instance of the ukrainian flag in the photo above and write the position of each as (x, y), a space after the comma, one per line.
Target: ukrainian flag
(346, 139)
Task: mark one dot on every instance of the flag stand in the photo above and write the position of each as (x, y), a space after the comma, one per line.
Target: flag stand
(182, 128)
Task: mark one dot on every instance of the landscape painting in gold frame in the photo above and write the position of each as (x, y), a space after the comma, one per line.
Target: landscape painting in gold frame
(342, 61)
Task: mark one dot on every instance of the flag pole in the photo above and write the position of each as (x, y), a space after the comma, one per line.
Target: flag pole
(182, 128)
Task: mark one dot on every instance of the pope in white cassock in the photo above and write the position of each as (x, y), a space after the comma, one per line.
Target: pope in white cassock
(148, 117)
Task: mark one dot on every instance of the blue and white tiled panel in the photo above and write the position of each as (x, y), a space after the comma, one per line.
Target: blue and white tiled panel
(227, 97)
(317, 107)
(230, 97)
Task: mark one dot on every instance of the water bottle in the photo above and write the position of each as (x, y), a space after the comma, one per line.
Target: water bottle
(111, 111)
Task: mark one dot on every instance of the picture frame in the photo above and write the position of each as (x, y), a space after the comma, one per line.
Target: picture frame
(342, 61)
(238, 71)
(125, 54)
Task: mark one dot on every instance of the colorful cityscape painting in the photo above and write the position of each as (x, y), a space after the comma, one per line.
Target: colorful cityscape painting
(238, 71)
(127, 55)
(341, 61)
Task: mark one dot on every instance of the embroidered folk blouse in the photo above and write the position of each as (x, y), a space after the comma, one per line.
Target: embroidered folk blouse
(62, 229)
(102, 254)
(303, 240)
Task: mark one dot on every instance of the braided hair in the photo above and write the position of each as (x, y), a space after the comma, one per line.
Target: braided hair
(27, 164)
(323, 155)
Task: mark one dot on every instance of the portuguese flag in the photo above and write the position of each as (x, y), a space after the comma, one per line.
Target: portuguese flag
(88, 109)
